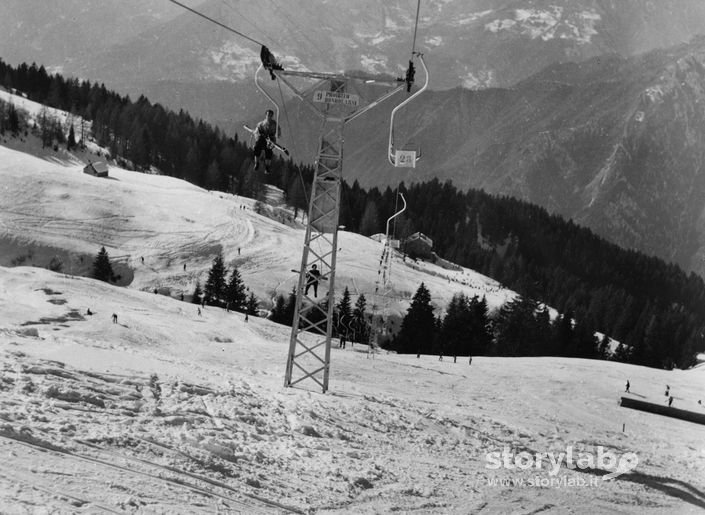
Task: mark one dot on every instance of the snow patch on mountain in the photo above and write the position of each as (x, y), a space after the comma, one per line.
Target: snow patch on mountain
(470, 18)
(481, 79)
(549, 24)
(434, 41)
(379, 38)
(584, 31)
(374, 63)
(232, 60)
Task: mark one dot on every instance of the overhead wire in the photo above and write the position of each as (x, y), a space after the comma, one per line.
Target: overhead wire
(212, 20)
(385, 264)
(416, 26)
(239, 13)
(295, 28)
(293, 141)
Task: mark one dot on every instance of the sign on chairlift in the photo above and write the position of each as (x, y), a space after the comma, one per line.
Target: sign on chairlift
(336, 97)
(405, 158)
(395, 244)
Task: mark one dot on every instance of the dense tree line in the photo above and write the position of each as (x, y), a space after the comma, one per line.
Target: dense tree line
(221, 291)
(521, 327)
(351, 323)
(143, 135)
(654, 308)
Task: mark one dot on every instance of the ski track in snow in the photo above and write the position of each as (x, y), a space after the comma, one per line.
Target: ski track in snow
(215, 430)
(170, 412)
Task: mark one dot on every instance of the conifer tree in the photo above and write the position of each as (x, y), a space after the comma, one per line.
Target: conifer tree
(296, 195)
(252, 305)
(235, 294)
(290, 307)
(343, 312)
(359, 325)
(13, 119)
(586, 344)
(196, 297)
(214, 289)
(370, 219)
(71, 142)
(604, 351)
(621, 353)
(481, 326)
(456, 326)
(102, 269)
(517, 329)
(279, 310)
(418, 326)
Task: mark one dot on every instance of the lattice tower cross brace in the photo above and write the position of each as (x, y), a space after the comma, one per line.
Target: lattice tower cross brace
(312, 328)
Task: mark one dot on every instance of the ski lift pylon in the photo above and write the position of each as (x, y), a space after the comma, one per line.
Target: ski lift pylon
(406, 157)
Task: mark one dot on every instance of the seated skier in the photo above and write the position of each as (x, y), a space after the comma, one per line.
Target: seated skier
(266, 133)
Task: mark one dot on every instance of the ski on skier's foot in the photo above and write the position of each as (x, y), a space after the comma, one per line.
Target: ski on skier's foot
(273, 145)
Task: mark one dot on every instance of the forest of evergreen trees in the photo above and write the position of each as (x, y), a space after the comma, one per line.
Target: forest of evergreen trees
(144, 135)
(655, 309)
(521, 327)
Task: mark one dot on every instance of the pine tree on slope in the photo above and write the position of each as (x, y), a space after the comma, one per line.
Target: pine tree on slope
(214, 289)
(418, 326)
(102, 270)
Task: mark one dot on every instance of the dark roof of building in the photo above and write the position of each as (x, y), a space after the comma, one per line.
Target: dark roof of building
(99, 166)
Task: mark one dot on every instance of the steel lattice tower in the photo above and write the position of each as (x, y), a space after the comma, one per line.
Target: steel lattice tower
(336, 99)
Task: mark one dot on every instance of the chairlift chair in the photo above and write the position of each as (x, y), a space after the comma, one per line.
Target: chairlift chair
(410, 153)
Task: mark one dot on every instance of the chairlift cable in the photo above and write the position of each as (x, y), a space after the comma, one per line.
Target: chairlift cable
(293, 141)
(396, 208)
(217, 22)
(249, 21)
(416, 26)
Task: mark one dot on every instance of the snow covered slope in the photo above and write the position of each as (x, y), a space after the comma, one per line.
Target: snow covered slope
(52, 210)
(168, 411)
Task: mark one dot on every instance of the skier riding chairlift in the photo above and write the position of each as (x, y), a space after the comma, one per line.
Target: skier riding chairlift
(266, 133)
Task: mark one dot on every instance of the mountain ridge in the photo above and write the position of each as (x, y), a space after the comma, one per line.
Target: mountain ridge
(613, 143)
(167, 53)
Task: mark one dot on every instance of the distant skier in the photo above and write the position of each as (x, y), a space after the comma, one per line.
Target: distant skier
(114, 318)
(670, 401)
(266, 131)
(470, 360)
(668, 391)
(627, 388)
(89, 312)
(312, 278)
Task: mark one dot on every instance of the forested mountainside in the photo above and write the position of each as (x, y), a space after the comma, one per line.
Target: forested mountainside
(616, 144)
(654, 308)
